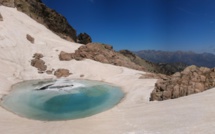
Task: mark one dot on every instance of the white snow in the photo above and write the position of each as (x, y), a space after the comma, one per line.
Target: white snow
(194, 114)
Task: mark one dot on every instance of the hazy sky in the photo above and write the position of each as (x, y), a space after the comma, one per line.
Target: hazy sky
(143, 24)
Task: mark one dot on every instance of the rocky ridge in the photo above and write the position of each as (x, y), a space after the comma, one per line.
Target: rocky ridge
(186, 57)
(192, 80)
(44, 15)
(102, 53)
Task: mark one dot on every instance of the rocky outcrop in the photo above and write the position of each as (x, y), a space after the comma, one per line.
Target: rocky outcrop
(62, 73)
(192, 80)
(44, 15)
(38, 63)
(102, 53)
(1, 18)
(30, 38)
(84, 38)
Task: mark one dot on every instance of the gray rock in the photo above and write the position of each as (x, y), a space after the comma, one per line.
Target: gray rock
(30, 38)
(1, 18)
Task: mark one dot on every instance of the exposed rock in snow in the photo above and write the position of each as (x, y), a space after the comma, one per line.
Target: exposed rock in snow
(30, 38)
(62, 73)
(1, 18)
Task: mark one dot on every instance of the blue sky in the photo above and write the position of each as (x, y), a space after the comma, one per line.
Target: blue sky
(143, 24)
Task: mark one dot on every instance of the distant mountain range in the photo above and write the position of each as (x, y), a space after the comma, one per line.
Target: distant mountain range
(185, 57)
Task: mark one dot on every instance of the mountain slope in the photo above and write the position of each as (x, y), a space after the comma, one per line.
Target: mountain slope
(189, 58)
(44, 15)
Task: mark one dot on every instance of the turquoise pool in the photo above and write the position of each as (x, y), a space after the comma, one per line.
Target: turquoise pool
(63, 99)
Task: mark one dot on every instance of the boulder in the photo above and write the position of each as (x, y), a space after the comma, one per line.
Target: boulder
(1, 18)
(63, 56)
(62, 73)
(30, 38)
(39, 64)
(38, 56)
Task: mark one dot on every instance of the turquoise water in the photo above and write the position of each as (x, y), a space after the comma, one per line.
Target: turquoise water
(84, 98)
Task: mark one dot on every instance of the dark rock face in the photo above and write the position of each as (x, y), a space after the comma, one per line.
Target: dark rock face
(62, 73)
(84, 38)
(8, 3)
(192, 80)
(38, 63)
(30, 38)
(170, 68)
(44, 15)
(1, 18)
(102, 53)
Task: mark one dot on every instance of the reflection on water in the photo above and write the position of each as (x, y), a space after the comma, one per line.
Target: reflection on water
(62, 99)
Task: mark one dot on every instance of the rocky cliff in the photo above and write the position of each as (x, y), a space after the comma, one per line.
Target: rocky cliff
(44, 15)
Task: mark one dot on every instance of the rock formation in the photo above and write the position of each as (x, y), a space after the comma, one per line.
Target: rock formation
(102, 53)
(84, 38)
(44, 15)
(38, 63)
(62, 73)
(192, 80)
(30, 38)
